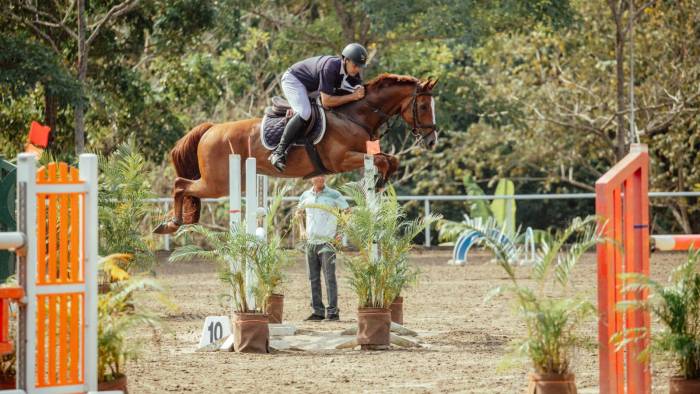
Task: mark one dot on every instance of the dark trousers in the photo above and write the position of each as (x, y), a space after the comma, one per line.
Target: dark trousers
(322, 258)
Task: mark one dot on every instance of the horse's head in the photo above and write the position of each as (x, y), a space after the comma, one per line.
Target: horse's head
(418, 111)
(391, 94)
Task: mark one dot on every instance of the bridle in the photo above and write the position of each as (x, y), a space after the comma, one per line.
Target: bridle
(416, 118)
(385, 116)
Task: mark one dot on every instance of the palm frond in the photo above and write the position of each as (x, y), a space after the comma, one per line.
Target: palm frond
(676, 305)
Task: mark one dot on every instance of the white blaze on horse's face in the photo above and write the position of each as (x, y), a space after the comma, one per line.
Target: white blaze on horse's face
(432, 108)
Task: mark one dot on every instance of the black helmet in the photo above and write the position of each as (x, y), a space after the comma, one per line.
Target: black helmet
(357, 53)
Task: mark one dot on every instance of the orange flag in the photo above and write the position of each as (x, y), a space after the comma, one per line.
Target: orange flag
(39, 135)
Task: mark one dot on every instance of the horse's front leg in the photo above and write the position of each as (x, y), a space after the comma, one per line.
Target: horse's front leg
(355, 160)
(393, 162)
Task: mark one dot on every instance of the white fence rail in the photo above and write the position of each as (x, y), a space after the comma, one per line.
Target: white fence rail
(427, 199)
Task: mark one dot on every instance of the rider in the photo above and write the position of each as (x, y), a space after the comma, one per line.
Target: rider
(336, 79)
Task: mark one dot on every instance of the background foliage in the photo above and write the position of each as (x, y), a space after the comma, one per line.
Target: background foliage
(527, 89)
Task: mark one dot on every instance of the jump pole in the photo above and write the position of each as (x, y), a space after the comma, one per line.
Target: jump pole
(676, 242)
(251, 205)
(236, 212)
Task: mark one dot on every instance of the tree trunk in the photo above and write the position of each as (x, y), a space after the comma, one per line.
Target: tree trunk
(82, 73)
(621, 146)
(347, 22)
(50, 110)
(680, 213)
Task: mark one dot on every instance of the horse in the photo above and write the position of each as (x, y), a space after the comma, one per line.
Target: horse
(200, 157)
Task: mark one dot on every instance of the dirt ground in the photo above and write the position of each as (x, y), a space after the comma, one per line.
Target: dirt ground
(467, 338)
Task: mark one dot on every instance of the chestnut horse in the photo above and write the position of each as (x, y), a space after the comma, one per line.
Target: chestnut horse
(201, 156)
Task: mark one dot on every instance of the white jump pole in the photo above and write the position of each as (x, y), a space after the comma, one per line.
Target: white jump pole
(251, 223)
(26, 271)
(262, 203)
(368, 180)
(234, 197)
(234, 203)
(87, 165)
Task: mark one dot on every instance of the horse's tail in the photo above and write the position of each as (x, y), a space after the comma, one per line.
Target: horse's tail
(186, 163)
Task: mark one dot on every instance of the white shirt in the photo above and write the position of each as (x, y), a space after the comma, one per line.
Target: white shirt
(321, 226)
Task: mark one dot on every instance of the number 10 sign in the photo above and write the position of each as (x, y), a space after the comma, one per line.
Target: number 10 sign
(215, 328)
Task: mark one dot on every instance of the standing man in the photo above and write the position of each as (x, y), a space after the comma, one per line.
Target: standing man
(321, 230)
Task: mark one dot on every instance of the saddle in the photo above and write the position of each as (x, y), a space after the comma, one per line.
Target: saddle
(276, 117)
(280, 108)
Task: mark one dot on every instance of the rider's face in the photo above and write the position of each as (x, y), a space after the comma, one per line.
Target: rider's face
(351, 68)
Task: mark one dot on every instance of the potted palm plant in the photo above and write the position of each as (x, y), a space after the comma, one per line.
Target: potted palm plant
(378, 229)
(677, 307)
(550, 310)
(272, 272)
(116, 316)
(246, 262)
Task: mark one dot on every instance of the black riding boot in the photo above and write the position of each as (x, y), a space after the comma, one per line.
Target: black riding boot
(294, 127)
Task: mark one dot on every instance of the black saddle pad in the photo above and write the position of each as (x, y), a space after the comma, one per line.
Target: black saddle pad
(276, 118)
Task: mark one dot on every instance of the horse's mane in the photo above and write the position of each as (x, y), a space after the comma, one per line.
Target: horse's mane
(382, 81)
(386, 79)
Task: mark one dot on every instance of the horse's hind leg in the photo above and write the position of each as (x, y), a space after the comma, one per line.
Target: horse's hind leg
(183, 188)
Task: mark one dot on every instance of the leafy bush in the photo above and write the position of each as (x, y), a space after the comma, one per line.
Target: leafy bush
(377, 227)
(551, 313)
(677, 306)
(116, 316)
(122, 191)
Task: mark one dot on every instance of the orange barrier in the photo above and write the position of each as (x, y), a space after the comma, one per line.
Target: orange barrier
(57, 271)
(622, 205)
(60, 318)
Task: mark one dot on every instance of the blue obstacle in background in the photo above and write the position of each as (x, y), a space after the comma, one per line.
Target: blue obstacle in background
(470, 238)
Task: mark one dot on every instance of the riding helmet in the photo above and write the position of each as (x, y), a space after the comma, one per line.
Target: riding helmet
(357, 53)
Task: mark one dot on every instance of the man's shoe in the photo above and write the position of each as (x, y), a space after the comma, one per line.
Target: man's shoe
(314, 317)
(333, 317)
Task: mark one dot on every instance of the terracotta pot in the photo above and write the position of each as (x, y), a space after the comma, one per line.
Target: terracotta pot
(275, 308)
(680, 385)
(111, 385)
(251, 333)
(373, 328)
(8, 382)
(551, 383)
(397, 310)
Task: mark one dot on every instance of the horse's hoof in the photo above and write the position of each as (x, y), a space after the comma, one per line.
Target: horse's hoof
(166, 228)
(380, 184)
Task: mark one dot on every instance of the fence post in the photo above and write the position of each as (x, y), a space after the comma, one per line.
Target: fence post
(426, 208)
(88, 173)
(166, 238)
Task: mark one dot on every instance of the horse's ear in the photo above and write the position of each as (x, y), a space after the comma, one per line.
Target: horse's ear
(425, 85)
(432, 83)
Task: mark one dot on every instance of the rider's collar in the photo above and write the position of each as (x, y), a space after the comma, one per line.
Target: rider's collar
(344, 83)
(342, 68)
